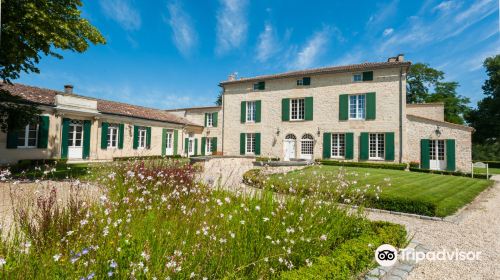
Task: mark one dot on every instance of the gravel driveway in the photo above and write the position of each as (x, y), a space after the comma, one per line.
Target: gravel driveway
(476, 229)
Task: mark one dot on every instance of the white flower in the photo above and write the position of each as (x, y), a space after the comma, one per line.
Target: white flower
(56, 257)
(2, 262)
(323, 237)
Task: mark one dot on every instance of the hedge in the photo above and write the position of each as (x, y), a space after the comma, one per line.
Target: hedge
(352, 257)
(395, 166)
(266, 159)
(450, 173)
(29, 164)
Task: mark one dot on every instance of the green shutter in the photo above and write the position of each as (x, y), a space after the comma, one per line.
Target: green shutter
(176, 139)
(121, 134)
(136, 137)
(262, 85)
(424, 154)
(64, 138)
(450, 155)
(86, 139)
(214, 144)
(195, 146)
(349, 145)
(389, 146)
(43, 132)
(343, 107)
(285, 109)
(309, 109)
(203, 145)
(363, 146)
(186, 144)
(215, 121)
(306, 81)
(258, 106)
(371, 105)
(148, 137)
(164, 142)
(327, 145)
(368, 76)
(104, 135)
(257, 144)
(242, 143)
(243, 116)
(12, 139)
(206, 120)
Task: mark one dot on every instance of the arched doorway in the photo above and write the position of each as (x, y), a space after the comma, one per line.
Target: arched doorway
(289, 145)
(307, 146)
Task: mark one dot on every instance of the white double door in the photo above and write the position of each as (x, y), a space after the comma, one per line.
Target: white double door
(437, 155)
(75, 140)
(169, 140)
(289, 147)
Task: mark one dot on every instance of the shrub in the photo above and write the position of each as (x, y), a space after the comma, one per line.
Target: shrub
(489, 151)
(266, 159)
(254, 177)
(145, 157)
(414, 164)
(31, 164)
(450, 173)
(395, 166)
(402, 204)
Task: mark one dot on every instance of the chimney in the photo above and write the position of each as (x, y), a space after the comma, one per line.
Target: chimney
(68, 89)
(232, 76)
(400, 57)
(392, 59)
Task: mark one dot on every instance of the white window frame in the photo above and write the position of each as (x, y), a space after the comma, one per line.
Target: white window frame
(112, 133)
(297, 109)
(307, 144)
(338, 145)
(208, 146)
(169, 135)
(357, 77)
(359, 108)
(210, 120)
(251, 111)
(142, 135)
(376, 146)
(250, 143)
(26, 138)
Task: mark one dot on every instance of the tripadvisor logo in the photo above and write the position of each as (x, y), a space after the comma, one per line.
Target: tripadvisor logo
(386, 255)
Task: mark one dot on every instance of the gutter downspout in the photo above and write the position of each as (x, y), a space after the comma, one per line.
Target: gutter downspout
(223, 118)
(400, 114)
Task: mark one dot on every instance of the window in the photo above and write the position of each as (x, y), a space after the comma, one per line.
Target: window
(358, 77)
(357, 107)
(142, 138)
(28, 137)
(112, 136)
(376, 146)
(259, 86)
(306, 81)
(210, 120)
(297, 109)
(338, 145)
(250, 143)
(307, 144)
(168, 140)
(251, 111)
(440, 150)
(208, 146)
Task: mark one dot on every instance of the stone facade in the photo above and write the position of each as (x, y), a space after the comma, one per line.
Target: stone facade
(433, 111)
(325, 90)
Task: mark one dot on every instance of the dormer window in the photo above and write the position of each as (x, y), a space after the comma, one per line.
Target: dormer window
(358, 77)
(362, 77)
(259, 86)
(306, 81)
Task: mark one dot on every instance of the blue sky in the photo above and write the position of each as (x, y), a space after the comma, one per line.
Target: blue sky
(168, 54)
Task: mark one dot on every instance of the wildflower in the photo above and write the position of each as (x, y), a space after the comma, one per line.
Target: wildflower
(257, 207)
(56, 257)
(308, 263)
(323, 237)
(2, 262)
(145, 255)
(113, 264)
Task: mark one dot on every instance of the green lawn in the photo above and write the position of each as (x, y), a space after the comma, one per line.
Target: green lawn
(421, 193)
(483, 170)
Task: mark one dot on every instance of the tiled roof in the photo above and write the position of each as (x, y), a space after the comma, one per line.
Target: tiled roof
(323, 70)
(48, 97)
(459, 126)
(194, 108)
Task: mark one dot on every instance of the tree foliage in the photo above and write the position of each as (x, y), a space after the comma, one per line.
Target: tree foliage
(218, 101)
(31, 29)
(422, 79)
(486, 117)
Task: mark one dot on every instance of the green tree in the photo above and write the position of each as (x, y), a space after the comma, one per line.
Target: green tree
(455, 106)
(486, 117)
(29, 30)
(218, 101)
(418, 81)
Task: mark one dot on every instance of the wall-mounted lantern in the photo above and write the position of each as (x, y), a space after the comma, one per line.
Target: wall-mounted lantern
(438, 131)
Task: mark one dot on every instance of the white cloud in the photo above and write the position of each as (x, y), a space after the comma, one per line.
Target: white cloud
(476, 61)
(382, 14)
(232, 25)
(311, 51)
(122, 12)
(183, 34)
(388, 31)
(268, 44)
(444, 6)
